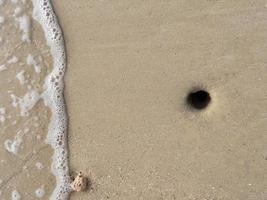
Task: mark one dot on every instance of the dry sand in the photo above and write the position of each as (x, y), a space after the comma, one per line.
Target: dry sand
(130, 67)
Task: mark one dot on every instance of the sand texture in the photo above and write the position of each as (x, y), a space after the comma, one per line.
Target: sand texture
(130, 67)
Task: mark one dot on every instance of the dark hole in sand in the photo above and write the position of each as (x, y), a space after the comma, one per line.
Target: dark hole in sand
(198, 99)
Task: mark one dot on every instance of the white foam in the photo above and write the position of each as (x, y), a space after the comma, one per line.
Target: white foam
(2, 119)
(3, 67)
(25, 27)
(2, 115)
(14, 100)
(53, 97)
(15, 1)
(39, 165)
(26, 102)
(2, 111)
(15, 195)
(13, 60)
(2, 2)
(13, 146)
(2, 20)
(17, 11)
(40, 192)
(31, 61)
(20, 76)
(26, 130)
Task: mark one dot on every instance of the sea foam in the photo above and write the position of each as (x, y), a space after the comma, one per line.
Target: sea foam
(53, 97)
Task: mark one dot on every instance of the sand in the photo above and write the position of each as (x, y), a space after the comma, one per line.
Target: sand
(131, 65)
(25, 158)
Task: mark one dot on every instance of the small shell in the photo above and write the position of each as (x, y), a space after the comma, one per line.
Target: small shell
(80, 183)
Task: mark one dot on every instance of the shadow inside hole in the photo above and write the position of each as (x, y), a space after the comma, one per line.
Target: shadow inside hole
(198, 99)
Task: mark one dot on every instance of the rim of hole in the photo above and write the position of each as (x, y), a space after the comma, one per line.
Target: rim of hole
(198, 99)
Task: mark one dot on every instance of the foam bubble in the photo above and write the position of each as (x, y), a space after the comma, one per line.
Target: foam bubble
(40, 192)
(20, 76)
(2, 111)
(2, 20)
(13, 146)
(3, 67)
(53, 97)
(32, 61)
(25, 27)
(2, 119)
(2, 2)
(26, 103)
(14, 100)
(17, 11)
(13, 60)
(2, 115)
(15, 195)
(39, 165)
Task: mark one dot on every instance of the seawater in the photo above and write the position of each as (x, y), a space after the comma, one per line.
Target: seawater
(33, 119)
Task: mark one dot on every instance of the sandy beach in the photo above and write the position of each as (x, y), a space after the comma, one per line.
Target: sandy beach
(133, 128)
(131, 65)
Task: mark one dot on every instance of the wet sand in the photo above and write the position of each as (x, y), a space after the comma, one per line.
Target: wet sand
(131, 65)
(25, 158)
